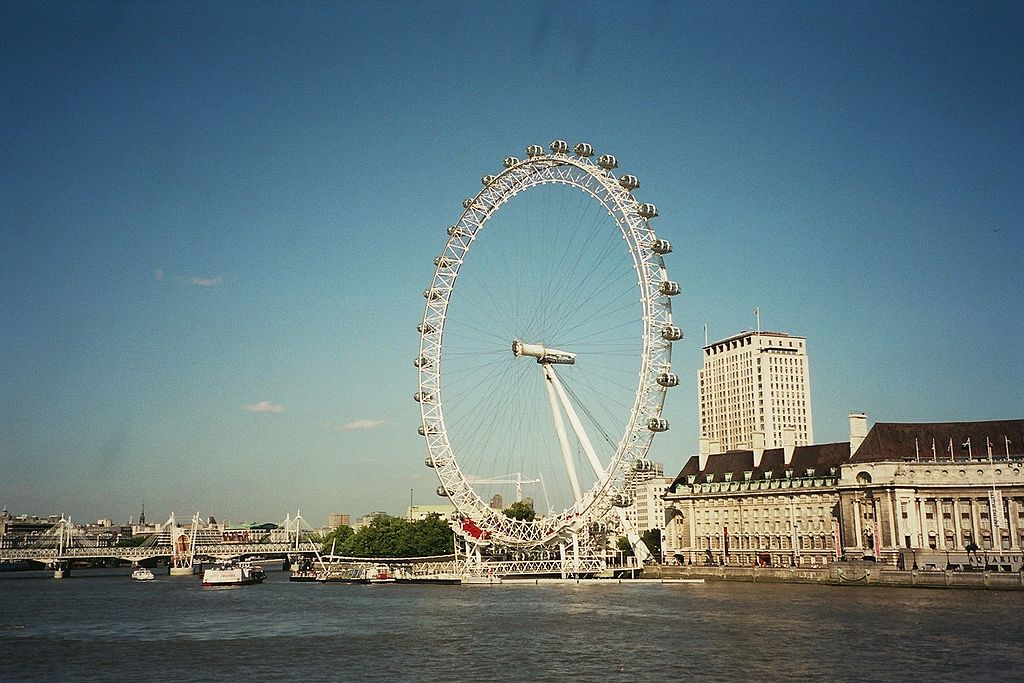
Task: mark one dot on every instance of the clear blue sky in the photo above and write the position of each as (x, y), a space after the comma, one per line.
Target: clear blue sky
(216, 220)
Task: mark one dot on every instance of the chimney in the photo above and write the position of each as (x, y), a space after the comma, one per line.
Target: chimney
(788, 444)
(758, 448)
(858, 431)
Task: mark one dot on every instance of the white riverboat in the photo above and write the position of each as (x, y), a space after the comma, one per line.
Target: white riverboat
(233, 574)
(142, 574)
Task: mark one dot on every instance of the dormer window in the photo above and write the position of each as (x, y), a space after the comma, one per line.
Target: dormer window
(728, 476)
(691, 479)
(832, 471)
(747, 475)
(789, 474)
(810, 471)
(767, 474)
(709, 478)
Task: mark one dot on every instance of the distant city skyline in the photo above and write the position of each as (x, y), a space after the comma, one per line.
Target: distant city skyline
(216, 222)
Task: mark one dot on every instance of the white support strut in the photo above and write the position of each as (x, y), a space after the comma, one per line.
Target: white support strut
(563, 439)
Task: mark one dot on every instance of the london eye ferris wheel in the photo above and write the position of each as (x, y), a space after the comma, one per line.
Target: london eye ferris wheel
(545, 346)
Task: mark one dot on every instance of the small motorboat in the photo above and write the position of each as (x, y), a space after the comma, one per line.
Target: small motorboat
(234, 574)
(143, 574)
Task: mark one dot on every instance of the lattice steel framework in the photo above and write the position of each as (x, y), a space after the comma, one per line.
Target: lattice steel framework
(654, 290)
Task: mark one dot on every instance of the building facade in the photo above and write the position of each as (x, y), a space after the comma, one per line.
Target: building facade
(925, 495)
(752, 388)
(936, 495)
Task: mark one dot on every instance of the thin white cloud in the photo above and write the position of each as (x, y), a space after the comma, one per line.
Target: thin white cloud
(159, 274)
(264, 407)
(202, 281)
(354, 425)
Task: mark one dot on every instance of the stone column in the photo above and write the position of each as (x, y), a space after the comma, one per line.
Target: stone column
(923, 539)
(958, 540)
(894, 529)
(1012, 507)
(940, 523)
(975, 523)
(857, 534)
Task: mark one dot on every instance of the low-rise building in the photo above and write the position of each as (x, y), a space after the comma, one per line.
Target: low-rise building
(924, 494)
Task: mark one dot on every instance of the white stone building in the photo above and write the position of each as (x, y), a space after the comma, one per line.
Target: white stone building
(752, 388)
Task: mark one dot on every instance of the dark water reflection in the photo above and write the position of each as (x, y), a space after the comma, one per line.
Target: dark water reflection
(171, 629)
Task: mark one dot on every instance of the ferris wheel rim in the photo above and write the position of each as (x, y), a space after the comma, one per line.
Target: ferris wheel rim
(599, 183)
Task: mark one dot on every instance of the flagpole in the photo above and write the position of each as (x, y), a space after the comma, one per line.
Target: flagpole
(757, 313)
(917, 450)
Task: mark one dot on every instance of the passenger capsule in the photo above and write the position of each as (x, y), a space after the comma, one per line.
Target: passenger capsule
(668, 379)
(466, 203)
(422, 362)
(425, 328)
(621, 500)
(431, 294)
(456, 231)
(441, 492)
(629, 182)
(487, 180)
(642, 465)
(534, 151)
(559, 146)
(584, 149)
(428, 461)
(647, 210)
(607, 162)
(670, 288)
(422, 397)
(444, 262)
(671, 333)
(509, 162)
(657, 424)
(660, 246)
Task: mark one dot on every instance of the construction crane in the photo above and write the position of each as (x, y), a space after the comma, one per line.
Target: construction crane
(516, 478)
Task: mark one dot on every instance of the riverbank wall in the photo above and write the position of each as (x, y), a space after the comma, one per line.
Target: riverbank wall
(845, 574)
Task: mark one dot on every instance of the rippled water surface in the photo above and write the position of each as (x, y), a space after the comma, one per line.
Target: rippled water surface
(103, 626)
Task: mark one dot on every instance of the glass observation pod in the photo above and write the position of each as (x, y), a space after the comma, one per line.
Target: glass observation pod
(487, 180)
(425, 328)
(643, 466)
(466, 203)
(647, 210)
(534, 151)
(584, 149)
(559, 146)
(629, 182)
(456, 231)
(669, 288)
(441, 492)
(428, 461)
(671, 333)
(662, 247)
(422, 362)
(621, 500)
(423, 432)
(431, 294)
(668, 379)
(444, 262)
(657, 424)
(422, 397)
(509, 162)
(607, 162)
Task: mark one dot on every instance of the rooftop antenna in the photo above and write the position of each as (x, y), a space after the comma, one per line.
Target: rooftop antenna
(705, 334)
(757, 314)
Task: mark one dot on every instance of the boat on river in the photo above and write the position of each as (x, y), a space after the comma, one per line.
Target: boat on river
(233, 574)
(143, 574)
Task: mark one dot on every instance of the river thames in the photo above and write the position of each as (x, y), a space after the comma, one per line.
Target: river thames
(102, 626)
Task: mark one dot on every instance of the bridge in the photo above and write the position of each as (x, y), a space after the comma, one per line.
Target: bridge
(181, 545)
(223, 551)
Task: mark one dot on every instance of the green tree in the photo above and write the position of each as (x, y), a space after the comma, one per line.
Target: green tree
(520, 510)
(395, 537)
(652, 539)
(624, 545)
(336, 538)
